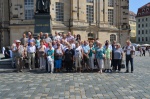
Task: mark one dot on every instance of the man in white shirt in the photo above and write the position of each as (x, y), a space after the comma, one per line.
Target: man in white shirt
(73, 46)
(69, 37)
(47, 38)
(19, 51)
(31, 50)
(56, 37)
(3, 49)
(129, 50)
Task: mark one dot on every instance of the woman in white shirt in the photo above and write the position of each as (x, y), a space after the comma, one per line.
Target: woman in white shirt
(41, 54)
(78, 56)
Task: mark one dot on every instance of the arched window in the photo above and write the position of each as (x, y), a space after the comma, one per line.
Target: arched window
(112, 37)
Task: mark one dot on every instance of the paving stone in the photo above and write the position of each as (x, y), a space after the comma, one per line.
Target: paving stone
(30, 85)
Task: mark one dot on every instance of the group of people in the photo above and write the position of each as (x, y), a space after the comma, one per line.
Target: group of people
(141, 51)
(69, 52)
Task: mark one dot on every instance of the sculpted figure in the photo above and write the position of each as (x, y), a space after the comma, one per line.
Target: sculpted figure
(43, 6)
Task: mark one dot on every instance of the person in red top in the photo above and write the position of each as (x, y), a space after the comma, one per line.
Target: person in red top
(46, 44)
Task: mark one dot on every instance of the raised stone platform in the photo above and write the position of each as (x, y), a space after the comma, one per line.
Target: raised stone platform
(5, 63)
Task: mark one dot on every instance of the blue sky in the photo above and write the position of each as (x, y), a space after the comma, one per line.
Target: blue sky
(135, 4)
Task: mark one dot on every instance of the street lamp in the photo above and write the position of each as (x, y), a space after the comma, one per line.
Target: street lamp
(1, 35)
(129, 30)
(120, 27)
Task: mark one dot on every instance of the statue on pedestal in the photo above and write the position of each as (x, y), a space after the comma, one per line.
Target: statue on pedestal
(43, 6)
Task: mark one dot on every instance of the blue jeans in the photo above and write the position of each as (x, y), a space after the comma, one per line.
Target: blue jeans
(129, 58)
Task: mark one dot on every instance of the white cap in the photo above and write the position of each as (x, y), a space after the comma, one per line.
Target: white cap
(18, 41)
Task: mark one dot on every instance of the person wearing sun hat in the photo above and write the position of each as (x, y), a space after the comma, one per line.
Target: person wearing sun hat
(19, 52)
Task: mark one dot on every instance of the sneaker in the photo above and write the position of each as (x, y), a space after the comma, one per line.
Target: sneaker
(106, 71)
(109, 71)
(114, 70)
(127, 72)
(30, 69)
(21, 71)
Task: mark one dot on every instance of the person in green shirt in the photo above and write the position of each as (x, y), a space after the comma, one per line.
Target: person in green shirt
(107, 59)
(91, 56)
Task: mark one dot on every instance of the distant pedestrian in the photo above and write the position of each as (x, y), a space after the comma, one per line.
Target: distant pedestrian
(140, 49)
(149, 51)
(143, 49)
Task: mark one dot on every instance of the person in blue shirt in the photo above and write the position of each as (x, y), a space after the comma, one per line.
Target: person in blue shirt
(100, 55)
(50, 58)
(86, 51)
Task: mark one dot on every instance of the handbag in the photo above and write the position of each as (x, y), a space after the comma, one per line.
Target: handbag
(49, 59)
(122, 64)
(82, 62)
(95, 62)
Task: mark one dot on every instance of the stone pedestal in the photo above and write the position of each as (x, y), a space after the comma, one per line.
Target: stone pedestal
(42, 23)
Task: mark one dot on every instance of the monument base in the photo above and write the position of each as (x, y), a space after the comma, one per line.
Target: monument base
(42, 23)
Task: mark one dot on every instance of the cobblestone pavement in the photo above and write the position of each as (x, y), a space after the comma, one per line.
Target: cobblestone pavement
(78, 85)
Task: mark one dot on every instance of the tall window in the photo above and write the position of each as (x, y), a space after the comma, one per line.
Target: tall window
(29, 9)
(142, 38)
(112, 37)
(139, 39)
(90, 1)
(139, 25)
(110, 3)
(90, 13)
(146, 39)
(138, 20)
(142, 31)
(110, 16)
(139, 32)
(59, 11)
